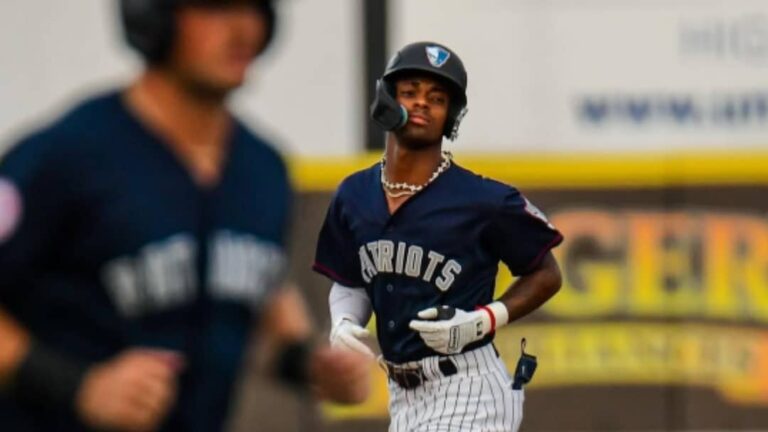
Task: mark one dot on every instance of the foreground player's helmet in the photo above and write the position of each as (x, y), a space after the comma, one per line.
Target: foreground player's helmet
(434, 59)
(150, 25)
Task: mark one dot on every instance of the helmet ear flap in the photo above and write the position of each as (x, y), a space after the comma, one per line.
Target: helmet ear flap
(385, 110)
(456, 111)
(452, 127)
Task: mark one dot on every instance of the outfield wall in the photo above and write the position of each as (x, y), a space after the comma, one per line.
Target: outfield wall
(661, 323)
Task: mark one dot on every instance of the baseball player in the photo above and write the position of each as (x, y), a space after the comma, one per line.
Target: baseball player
(142, 235)
(417, 239)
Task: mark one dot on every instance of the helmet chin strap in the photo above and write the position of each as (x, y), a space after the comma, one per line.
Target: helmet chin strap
(386, 111)
(404, 115)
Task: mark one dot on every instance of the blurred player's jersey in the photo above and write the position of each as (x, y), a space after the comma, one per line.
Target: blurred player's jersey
(441, 247)
(107, 242)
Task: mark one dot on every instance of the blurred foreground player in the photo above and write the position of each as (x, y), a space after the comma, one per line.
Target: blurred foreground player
(141, 236)
(418, 239)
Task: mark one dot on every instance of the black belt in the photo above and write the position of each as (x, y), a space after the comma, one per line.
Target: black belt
(410, 377)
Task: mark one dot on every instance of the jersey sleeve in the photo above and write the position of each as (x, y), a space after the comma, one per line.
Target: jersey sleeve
(336, 257)
(520, 234)
(32, 201)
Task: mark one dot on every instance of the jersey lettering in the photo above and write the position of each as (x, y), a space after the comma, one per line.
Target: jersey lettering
(434, 259)
(448, 275)
(366, 266)
(163, 275)
(413, 263)
(400, 257)
(160, 277)
(373, 248)
(378, 256)
(243, 267)
(386, 248)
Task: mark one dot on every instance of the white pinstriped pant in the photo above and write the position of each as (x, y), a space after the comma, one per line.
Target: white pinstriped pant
(478, 398)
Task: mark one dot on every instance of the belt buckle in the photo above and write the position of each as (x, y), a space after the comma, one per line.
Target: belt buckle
(409, 378)
(406, 378)
(447, 367)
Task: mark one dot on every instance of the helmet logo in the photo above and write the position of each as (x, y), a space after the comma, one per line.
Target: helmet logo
(437, 56)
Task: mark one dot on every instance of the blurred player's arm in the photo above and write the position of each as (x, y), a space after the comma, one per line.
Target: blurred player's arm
(132, 391)
(14, 344)
(341, 376)
(286, 318)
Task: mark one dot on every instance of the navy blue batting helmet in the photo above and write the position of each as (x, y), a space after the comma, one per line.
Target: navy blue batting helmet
(150, 26)
(423, 57)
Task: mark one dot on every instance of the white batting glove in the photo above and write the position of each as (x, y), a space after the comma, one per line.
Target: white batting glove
(346, 334)
(452, 335)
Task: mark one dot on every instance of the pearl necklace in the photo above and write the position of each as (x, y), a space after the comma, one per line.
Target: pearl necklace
(396, 190)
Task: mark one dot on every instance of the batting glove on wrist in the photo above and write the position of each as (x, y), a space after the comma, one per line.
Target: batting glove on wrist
(450, 336)
(346, 334)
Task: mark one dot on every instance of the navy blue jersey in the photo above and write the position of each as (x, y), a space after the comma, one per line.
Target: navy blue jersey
(107, 243)
(441, 247)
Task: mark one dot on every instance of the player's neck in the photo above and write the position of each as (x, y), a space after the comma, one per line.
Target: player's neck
(176, 112)
(413, 166)
(194, 128)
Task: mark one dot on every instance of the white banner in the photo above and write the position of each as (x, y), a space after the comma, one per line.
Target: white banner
(603, 75)
(556, 75)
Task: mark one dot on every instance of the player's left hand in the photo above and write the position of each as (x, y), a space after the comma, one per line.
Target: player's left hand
(450, 336)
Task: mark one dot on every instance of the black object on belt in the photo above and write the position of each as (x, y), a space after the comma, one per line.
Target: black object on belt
(526, 366)
(412, 377)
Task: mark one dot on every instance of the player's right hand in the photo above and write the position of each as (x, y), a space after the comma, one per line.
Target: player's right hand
(346, 334)
(133, 391)
(341, 376)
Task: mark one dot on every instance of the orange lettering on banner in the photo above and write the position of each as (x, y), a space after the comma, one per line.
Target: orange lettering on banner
(662, 265)
(720, 296)
(591, 259)
(752, 257)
